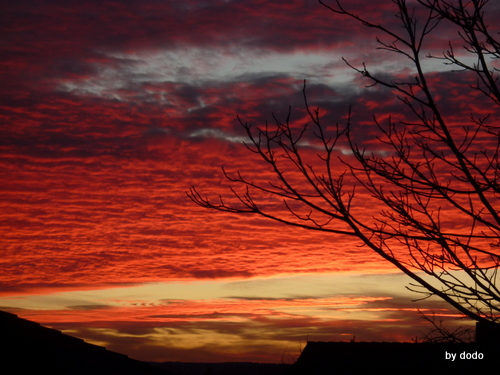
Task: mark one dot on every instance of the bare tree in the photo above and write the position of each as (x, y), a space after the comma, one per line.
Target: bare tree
(437, 169)
(441, 334)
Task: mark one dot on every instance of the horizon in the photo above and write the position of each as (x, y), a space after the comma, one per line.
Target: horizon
(111, 112)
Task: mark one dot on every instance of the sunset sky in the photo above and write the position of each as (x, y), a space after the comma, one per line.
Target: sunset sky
(111, 111)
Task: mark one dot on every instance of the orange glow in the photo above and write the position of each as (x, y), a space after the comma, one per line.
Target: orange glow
(111, 112)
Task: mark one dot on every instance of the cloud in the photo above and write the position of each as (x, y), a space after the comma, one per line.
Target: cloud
(112, 111)
(182, 329)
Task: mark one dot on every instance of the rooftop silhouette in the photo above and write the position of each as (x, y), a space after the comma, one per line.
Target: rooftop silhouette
(320, 358)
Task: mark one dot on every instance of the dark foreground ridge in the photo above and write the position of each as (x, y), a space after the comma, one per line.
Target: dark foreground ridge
(224, 368)
(321, 358)
(29, 348)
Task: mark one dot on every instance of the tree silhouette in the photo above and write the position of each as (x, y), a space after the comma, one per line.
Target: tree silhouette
(437, 189)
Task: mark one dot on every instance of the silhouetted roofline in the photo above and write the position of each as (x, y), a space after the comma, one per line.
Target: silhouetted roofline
(322, 358)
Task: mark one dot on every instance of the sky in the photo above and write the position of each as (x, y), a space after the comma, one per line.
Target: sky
(111, 111)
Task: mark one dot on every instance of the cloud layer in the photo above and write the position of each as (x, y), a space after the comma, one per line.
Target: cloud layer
(110, 112)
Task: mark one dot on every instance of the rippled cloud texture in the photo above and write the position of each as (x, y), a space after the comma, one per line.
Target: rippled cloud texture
(111, 111)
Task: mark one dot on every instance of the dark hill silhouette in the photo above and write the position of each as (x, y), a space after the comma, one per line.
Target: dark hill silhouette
(29, 348)
(224, 368)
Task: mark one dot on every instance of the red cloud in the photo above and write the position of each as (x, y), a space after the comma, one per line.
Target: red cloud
(97, 153)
